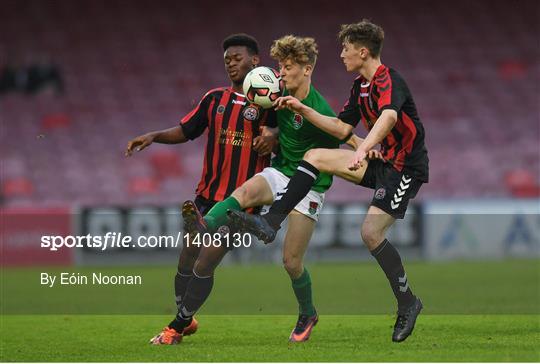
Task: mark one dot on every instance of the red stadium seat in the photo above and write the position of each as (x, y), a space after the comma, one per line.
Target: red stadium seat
(143, 185)
(17, 187)
(166, 164)
(522, 183)
(58, 120)
(513, 69)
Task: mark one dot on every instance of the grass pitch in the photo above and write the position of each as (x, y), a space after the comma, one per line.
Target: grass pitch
(474, 311)
(244, 338)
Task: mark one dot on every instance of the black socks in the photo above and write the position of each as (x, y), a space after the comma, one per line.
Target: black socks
(298, 187)
(181, 281)
(197, 292)
(388, 258)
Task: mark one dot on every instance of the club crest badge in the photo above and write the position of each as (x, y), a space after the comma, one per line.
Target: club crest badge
(313, 206)
(221, 109)
(251, 113)
(380, 193)
(298, 120)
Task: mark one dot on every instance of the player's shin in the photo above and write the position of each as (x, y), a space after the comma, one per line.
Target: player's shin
(181, 281)
(298, 187)
(388, 258)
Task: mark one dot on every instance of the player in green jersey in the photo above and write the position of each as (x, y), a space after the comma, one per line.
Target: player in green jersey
(297, 57)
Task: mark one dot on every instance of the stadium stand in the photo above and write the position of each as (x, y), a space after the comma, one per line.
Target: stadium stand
(129, 68)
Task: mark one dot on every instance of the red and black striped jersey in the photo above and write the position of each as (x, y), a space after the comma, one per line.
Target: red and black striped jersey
(232, 124)
(404, 146)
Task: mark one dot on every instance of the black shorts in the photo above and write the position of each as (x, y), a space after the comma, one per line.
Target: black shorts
(203, 204)
(393, 189)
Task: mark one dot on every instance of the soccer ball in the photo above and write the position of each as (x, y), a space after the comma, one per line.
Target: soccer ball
(262, 86)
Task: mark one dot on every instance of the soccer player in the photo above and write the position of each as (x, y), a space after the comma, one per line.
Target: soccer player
(240, 139)
(380, 99)
(297, 57)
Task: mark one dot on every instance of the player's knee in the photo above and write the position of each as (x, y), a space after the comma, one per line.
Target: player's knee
(243, 195)
(293, 265)
(371, 236)
(204, 267)
(188, 256)
(190, 251)
(314, 157)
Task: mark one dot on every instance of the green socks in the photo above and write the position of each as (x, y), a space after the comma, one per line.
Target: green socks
(217, 216)
(302, 291)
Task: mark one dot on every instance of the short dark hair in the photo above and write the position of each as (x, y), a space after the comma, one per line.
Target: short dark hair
(242, 39)
(365, 33)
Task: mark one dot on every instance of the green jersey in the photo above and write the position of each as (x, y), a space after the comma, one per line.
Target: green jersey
(297, 135)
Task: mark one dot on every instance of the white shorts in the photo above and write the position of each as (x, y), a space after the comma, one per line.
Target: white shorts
(310, 206)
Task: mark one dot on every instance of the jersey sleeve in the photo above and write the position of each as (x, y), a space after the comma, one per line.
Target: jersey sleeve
(350, 113)
(195, 123)
(271, 119)
(392, 93)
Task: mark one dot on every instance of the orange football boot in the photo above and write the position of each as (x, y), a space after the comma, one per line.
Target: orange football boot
(303, 328)
(191, 328)
(168, 336)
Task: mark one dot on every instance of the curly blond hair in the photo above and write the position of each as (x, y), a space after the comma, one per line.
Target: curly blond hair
(302, 50)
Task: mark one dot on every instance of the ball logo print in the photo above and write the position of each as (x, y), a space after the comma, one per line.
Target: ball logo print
(262, 86)
(266, 78)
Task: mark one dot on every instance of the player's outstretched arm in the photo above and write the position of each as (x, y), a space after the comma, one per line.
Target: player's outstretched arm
(173, 135)
(331, 125)
(380, 130)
